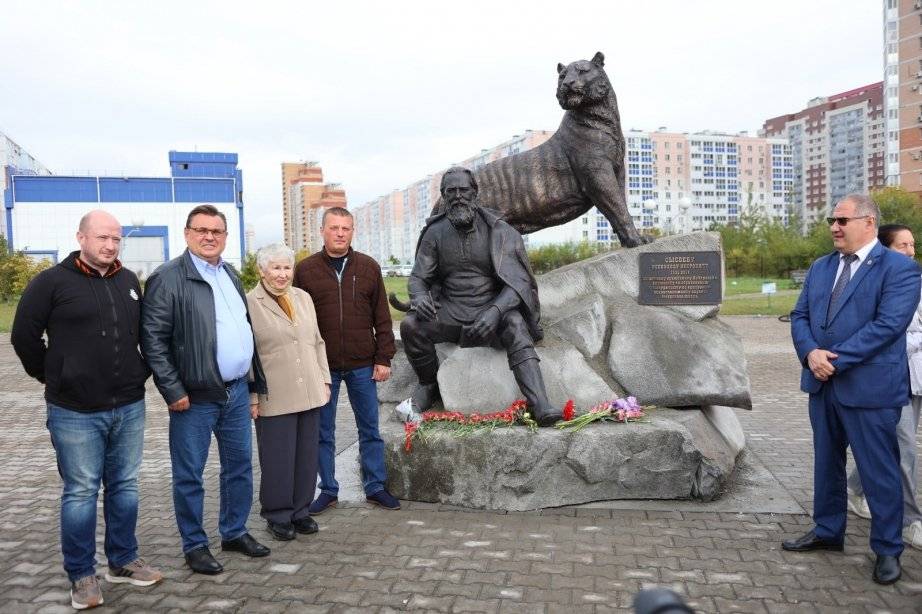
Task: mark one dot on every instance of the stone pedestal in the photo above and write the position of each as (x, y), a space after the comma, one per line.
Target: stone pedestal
(677, 454)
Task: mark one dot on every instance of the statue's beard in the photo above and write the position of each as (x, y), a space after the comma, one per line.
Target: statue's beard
(461, 215)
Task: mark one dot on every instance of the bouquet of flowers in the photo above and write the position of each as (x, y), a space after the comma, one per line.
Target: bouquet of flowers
(461, 425)
(615, 410)
(418, 425)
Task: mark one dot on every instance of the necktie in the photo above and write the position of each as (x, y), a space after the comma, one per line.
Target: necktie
(844, 277)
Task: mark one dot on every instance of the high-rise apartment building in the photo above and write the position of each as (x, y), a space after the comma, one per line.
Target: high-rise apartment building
(676, 182)
(837, 147)
(249, 239)
(903, 92)
(304, 198)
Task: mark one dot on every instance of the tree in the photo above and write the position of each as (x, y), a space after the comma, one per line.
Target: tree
(549, 257)
(897, 206)
(249, 273)
(16, 271)
(393, 260)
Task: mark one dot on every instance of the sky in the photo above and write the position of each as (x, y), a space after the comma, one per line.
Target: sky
(381, 94)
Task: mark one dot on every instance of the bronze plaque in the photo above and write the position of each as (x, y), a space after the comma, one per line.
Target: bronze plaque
(680, 278)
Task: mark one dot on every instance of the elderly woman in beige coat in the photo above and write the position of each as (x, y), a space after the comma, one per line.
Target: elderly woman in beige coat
(294, 359)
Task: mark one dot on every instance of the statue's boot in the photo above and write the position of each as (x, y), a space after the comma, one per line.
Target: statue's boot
(531, 383)
(427, 391)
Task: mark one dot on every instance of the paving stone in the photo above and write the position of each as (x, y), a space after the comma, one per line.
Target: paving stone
(565, 559)
(464, 604)
(437, 604)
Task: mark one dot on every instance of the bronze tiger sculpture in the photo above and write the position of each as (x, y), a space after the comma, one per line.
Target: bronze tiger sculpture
(580, 167)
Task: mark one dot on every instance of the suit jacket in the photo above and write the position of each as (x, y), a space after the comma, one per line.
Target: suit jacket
(867, 328)
(293, 354)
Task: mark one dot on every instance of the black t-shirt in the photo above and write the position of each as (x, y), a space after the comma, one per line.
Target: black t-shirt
(338, 263)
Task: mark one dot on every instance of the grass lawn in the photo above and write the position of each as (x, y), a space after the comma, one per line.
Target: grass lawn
(747, 306)
(398, 285)
(7, 311)
(751, 285)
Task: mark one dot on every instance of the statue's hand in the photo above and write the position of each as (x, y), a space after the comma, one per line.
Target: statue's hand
(424, 307)
(485, 325)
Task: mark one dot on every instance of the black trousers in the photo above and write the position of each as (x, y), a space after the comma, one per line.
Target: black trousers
(420, 336)
(288, 446)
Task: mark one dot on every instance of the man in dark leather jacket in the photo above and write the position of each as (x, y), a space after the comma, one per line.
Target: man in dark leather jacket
(197, 340)
(487, 294)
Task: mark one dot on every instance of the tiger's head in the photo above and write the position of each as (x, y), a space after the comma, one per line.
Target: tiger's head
(582, 83)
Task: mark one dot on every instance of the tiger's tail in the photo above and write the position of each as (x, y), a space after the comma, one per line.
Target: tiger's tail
(397, 304)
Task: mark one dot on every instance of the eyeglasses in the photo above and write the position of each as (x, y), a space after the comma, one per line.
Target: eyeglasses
(202, 232)
(842, 221)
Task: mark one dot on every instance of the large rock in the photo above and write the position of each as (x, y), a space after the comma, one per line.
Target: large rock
(585, 325)
(479, 379)
(599, 341)
(665, 359)
(676, 455)
(615, 274)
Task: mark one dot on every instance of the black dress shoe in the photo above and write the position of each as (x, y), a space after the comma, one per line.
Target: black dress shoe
(282, 531)
(808, 542)
(306, 525)
(887, 569)
(201, 561)
(247, 545)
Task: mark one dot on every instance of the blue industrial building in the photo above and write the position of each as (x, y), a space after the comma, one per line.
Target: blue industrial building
(42, 212)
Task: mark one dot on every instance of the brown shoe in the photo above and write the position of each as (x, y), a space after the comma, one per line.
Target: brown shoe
(137, 572)
(85, 593)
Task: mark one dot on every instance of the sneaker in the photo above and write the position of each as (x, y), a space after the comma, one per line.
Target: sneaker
(137, 572)
(912, 535)
(384, 499)
(858, 506)
(322, 504)
(85, 593)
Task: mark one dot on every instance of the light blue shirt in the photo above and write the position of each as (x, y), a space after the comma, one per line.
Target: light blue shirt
(234, 335)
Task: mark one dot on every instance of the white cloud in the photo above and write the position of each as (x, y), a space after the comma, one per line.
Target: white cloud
(382, 94)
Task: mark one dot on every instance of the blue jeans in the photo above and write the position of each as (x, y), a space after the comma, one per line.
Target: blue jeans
(363, 396)
(102, 447)
(190, 437)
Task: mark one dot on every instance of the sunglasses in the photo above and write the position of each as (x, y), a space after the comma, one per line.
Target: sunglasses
(842, 221)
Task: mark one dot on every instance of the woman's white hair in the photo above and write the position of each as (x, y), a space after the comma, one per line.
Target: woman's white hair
(274, 253)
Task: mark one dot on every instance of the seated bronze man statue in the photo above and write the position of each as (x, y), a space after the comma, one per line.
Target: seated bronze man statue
(472, 285)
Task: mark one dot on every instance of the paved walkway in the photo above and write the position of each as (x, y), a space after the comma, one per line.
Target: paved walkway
(723, 557)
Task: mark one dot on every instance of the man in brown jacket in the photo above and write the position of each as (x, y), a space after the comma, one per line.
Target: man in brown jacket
(355, 323)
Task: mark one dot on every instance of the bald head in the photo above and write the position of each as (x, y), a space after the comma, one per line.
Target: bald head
(100, 237)
(97, 216)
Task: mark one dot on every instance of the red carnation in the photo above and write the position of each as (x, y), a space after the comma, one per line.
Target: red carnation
(410, 429)
(568, 411)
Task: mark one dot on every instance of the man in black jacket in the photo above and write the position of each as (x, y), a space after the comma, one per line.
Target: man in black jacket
(94, 376)
(197, 339)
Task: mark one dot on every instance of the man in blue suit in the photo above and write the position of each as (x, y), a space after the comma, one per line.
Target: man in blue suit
(849, 328)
